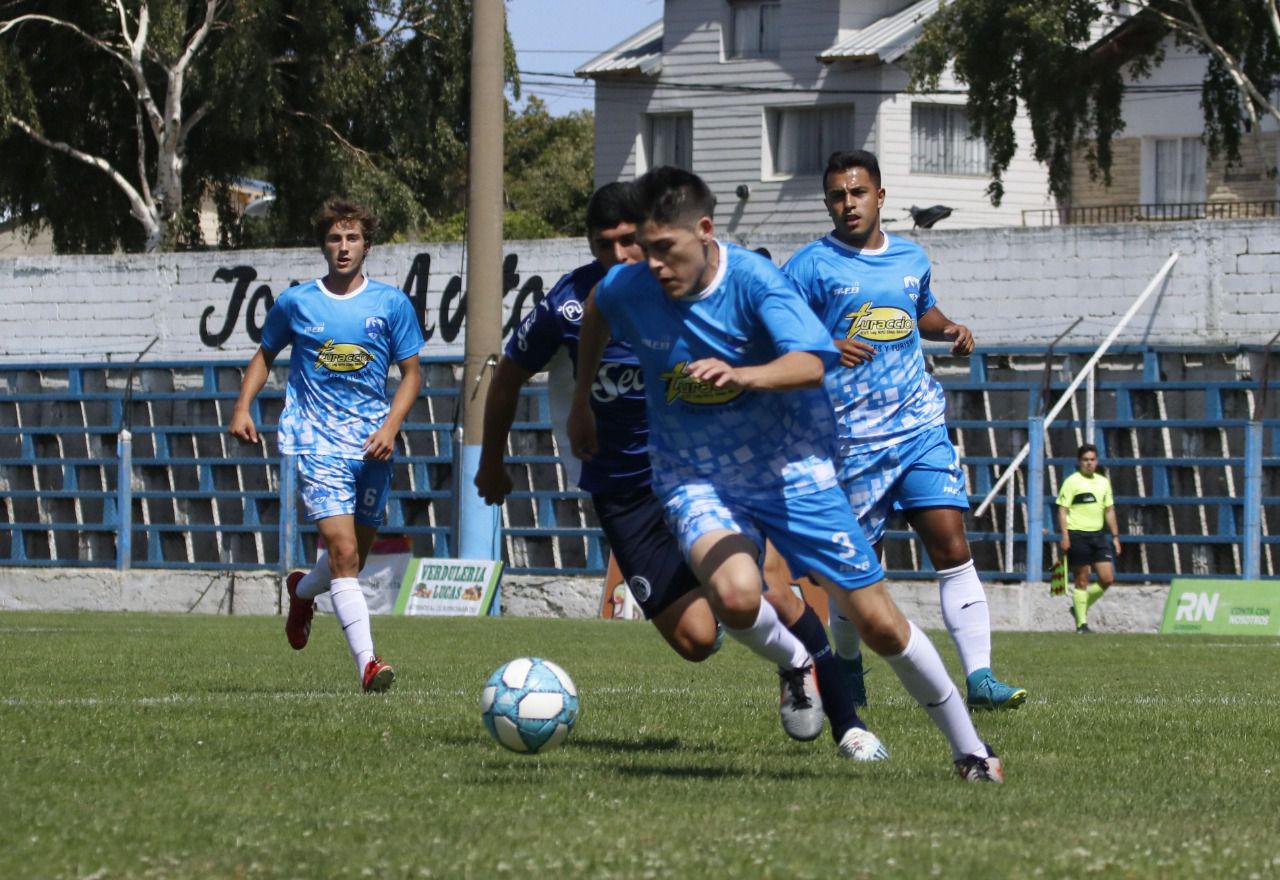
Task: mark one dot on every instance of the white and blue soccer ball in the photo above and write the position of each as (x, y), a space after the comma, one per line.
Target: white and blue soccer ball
(529, 705)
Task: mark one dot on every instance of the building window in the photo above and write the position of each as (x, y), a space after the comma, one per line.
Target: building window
(801, 139)
(941, 143)
(670, 140)
(1179, 171)
(753, 29)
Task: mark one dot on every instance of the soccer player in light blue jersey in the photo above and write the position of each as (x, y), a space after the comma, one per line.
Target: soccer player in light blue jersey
(346, 331)
(618, 477)
(740, 436)
(872, 292)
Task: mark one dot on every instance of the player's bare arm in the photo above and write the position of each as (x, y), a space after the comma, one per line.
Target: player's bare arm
(382, 442)
(937, 327)
(255, 376)
(854, 352)
(1114, 528)
(492, 480)
(1065, 543)
(792, 371)
(593, 338)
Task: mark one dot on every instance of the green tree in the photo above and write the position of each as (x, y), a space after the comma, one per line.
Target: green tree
(550, 165)
(1044, 53)
(116, 118)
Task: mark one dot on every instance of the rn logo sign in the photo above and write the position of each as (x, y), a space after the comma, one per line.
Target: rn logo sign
(1244, 608)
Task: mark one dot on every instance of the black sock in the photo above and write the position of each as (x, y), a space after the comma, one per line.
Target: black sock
(837, 702)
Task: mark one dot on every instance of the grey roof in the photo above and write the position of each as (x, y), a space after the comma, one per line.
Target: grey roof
(639, 53)
(885, 40)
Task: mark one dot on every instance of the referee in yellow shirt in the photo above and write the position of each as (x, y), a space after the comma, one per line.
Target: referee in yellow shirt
(1085, 506)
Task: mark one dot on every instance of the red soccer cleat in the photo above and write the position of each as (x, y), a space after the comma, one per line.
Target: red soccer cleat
(297, 626)
(378, 676)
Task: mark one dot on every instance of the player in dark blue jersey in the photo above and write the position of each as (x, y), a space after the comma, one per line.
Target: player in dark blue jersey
(346, 330)
(619, 476)
(872, 290)
(741, 437)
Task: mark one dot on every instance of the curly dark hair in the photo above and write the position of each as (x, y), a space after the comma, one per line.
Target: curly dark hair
(339, 208)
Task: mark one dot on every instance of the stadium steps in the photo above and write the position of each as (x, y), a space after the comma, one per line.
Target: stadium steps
(1170, 425)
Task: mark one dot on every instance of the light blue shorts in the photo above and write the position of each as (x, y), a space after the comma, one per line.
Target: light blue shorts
(916, 474)
(814, 533)
(335, 486)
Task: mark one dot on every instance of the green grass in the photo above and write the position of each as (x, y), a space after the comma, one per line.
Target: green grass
(166, 746)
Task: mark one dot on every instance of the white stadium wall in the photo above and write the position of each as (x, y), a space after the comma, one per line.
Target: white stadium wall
(1012, 286)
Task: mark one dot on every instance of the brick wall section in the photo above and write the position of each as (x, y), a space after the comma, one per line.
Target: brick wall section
(1126, 176)
(1010, 285)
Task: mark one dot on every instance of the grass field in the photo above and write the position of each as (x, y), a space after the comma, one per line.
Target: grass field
(166, 746)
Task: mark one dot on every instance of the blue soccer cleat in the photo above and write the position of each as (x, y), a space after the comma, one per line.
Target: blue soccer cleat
(989, 693)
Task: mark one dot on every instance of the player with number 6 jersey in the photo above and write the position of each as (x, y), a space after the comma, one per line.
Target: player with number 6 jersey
(346, 331)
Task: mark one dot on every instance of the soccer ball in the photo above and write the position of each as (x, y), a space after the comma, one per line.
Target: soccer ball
(529, 705)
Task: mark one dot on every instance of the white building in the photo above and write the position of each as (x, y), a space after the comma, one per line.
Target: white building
(753, 95)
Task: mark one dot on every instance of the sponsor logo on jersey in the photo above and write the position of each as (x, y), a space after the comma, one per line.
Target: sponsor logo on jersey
(879, 323)
(616, 380)
(342, 357)
(847, 291)
(571, 310)
(315, 328)
(1084, 498)
(375, 327)
(690, 390)
(656, 344)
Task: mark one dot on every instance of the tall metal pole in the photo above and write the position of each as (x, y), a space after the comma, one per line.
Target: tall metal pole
(478, 523)
(1035, 500)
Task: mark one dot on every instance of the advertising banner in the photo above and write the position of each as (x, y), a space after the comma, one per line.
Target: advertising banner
(449, 587)
(1227, 607)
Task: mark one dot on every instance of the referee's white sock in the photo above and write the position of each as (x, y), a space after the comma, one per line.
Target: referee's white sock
(964, 610)
(317, 580)
(353, 613)
(921, 671)
(771, 640)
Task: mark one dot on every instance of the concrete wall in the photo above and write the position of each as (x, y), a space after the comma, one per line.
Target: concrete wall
(1011, 286)
(1013, 607)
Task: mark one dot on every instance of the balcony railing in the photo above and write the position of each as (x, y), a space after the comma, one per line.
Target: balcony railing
(1075, 215)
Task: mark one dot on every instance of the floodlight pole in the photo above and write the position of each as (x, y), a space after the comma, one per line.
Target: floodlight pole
(478, 523)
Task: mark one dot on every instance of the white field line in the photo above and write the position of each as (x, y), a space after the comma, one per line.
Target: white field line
(401, 695)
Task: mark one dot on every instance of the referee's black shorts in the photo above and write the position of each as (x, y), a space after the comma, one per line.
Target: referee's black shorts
(647, 552)
(1088, 548)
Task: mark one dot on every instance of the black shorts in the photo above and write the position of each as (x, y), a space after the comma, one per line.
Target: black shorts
(1088, 548)
(647, 552)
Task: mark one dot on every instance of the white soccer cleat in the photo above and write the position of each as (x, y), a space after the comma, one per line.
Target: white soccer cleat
(860, 744)
(801, 706)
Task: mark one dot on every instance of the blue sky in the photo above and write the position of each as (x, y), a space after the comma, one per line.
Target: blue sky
(555, 36)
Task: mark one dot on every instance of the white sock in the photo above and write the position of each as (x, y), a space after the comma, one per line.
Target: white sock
(353, 614)
(317, 580)
(844, 635)
(921, 671)
(964, 609)
(771, 640)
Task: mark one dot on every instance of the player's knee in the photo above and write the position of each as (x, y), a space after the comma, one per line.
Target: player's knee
(344, 556)
(694, 651)
(884, 634)
(950, 552)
